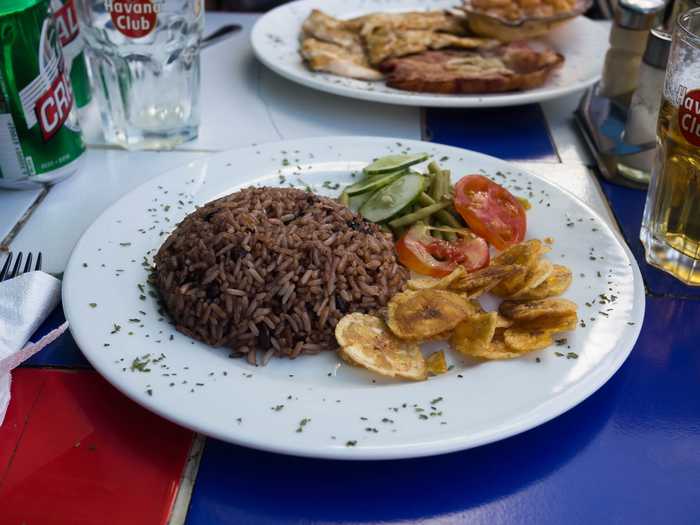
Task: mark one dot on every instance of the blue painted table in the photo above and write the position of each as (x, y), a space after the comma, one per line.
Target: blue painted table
(628, 454)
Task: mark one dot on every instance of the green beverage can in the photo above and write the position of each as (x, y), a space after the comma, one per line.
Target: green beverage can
(66, 18)
(40, 137)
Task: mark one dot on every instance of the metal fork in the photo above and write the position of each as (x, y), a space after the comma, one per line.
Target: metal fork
(6, 273)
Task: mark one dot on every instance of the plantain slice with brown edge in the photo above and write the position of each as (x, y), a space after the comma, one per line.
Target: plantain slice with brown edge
(536, 275)
(556, 284)
(366, 341)
(523, 340)
(423, 314)
(530, 310)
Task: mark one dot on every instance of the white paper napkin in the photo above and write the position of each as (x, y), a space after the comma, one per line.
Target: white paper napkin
(25, 302)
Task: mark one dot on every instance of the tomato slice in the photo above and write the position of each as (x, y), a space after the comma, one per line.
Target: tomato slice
(490, 210)
(426, 255)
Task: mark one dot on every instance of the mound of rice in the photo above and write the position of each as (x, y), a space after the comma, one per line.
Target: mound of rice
(274, 270)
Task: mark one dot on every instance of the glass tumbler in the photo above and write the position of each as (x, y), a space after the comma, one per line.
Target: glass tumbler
(671, 224)
(144, 60)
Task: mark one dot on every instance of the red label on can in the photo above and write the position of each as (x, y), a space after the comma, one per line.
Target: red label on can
(689, 116)
(133, 18)
(66, 18)
(53, 107)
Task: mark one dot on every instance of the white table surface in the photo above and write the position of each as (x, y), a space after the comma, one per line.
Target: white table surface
(244, 103)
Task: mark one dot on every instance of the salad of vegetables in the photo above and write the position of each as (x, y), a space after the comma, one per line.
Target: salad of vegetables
(438, 226)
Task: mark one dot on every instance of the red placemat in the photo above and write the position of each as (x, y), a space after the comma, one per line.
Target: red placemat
(73, 450)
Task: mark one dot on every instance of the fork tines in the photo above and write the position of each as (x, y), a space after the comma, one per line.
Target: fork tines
(17, 269)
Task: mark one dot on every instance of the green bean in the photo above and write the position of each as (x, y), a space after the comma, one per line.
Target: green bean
(436, 189)
(433, 167)
(443, 216)
(449, 236)
(446, 185)
(418, 215)
(344, 198)
(425, 200)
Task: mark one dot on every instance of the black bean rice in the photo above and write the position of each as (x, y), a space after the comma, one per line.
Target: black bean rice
(273, 270)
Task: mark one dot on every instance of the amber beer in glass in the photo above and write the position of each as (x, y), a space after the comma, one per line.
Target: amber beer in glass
(671, 225)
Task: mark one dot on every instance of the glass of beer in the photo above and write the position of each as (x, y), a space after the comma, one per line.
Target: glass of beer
(671, 225)
(144, 60)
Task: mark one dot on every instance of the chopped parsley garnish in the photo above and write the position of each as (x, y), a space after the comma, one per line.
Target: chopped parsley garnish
(92, 305)
(140, 364)
(277, 408)
(351, 443)
(116, 328)
(436, 400)
(124, 244)
(305, 421)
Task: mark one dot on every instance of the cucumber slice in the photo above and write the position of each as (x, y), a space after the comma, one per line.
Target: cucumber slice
(374, 183)
(356, 201)
(393, 198)
(395, 162)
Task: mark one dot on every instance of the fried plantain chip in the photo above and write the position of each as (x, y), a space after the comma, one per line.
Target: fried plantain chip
(476, 283)
(529, 310)
(524, 254)
(422, 314)
(436, 363)
(473, 335)
(366, 341)
(556, 284)
(557, 323)
(514, 282)
(496, 349)
(445, 283)
(536, 275)
(502, 322)
(522, 341)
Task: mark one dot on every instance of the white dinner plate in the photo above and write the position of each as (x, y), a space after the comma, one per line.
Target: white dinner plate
(116, 321)
(275, 40)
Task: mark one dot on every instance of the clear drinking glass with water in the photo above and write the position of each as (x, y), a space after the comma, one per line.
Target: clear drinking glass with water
(144, 60)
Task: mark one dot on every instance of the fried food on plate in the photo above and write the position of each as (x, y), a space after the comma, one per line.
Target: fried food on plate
(536, 275)
(472, 284)
(385, 42)
(522, 340)
(540, 280)
(556, 284)
(473, 335)
(522, 9)
(442, 21)
(366, 341)
(511, 67)
(332, 58)
(531, 310)
(510, 20)
(436, 363)
(423, 314)
(327, 45)
(324, 27)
